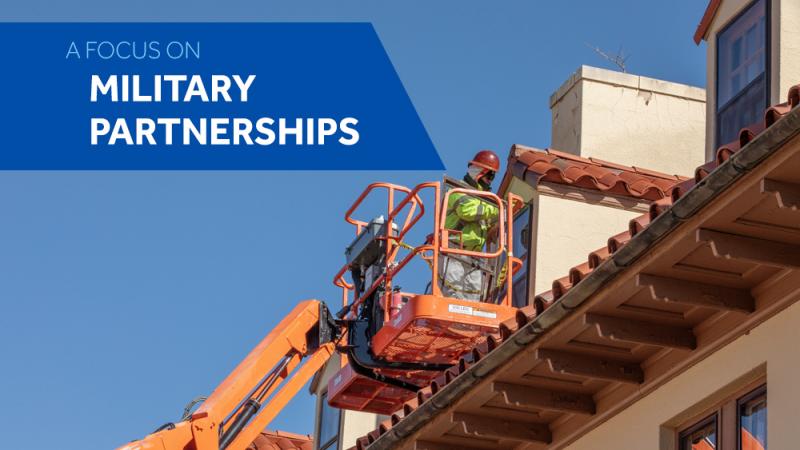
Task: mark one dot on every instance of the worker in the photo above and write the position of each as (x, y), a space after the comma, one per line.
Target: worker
(470, 221)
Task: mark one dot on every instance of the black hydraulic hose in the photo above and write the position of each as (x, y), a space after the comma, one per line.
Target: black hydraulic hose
(249, 409)
(369, 373)
(267, 378)
(166, 426)
(187, 411)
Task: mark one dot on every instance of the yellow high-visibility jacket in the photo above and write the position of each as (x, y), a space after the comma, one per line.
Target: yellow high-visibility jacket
(473, 217)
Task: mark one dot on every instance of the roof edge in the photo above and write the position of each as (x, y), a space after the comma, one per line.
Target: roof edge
(705, 22)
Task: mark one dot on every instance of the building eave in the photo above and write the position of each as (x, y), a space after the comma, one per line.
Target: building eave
(728, 177)
(705, 22)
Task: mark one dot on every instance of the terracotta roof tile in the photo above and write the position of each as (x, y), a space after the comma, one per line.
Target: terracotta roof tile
(598, 256)
(534, 166)
(543, 301)
(577, 273)
(551, 163)
(281, 440)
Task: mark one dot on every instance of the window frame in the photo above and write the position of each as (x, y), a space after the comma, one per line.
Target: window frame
(713, 418)
(529, 209)
(757, 392)
(726, 414)
(323, 403)
(767, 65)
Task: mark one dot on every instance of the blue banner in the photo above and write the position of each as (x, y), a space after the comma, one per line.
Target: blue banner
(204, 96)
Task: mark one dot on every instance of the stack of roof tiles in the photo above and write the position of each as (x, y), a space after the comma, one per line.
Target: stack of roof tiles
(280, 440)
(558, 167)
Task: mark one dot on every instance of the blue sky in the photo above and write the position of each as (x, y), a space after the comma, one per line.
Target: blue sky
(125, 294)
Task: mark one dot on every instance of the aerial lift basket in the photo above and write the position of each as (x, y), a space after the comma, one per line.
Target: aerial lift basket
(424, 329)
(427, 329)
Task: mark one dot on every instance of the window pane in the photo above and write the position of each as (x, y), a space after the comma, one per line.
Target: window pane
(753, 422)
(328, 423)
(746, 109)
(753, 43)
(522, 242)
(736, 52)
(741, 53)
(522, 232)
(700, 437)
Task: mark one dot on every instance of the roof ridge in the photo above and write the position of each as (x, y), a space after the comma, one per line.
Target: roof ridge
(535, 165)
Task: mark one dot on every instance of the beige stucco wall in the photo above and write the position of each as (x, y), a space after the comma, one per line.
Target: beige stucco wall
(565, 108)
(567, 231)
(773, 343)
(785, 54)
(787, 15)
(629, 119)
(354, 424)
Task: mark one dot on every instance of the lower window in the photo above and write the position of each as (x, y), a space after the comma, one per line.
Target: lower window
(752, 417)
(702, 436)
(329, 420)
(738, 423)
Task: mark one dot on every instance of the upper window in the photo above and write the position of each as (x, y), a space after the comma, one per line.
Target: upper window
(522, 245)
(742, 74)
(329, 418)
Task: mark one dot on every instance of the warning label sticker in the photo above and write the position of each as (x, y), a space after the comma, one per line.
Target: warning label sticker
(459, 309)
(470, 311)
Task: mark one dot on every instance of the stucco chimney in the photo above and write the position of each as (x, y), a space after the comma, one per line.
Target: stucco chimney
(630, 119)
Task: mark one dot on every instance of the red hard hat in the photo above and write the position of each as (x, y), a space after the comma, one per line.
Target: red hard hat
(486, 159)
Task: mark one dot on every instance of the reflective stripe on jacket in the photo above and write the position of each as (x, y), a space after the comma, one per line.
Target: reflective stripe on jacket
(473, 217)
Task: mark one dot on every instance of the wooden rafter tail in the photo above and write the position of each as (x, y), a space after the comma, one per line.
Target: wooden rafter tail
(490, 427)
(592, 367)
(697, 294)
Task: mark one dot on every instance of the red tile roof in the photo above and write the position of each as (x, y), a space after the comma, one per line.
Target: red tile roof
(535, 166)
(637, 224)
(705, 22)
(562, 285)
(281, 440)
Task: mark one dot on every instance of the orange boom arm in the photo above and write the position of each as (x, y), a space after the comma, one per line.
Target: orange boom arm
(260, 386)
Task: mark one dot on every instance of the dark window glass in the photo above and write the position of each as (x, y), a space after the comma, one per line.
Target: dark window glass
(522, 245)
(328, 426)
(742, 72)
(702, 436)
(753, 421)
(332, 445)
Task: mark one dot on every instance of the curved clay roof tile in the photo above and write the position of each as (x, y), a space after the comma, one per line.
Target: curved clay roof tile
(598, 256)
(794, 95)
(774, 113)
